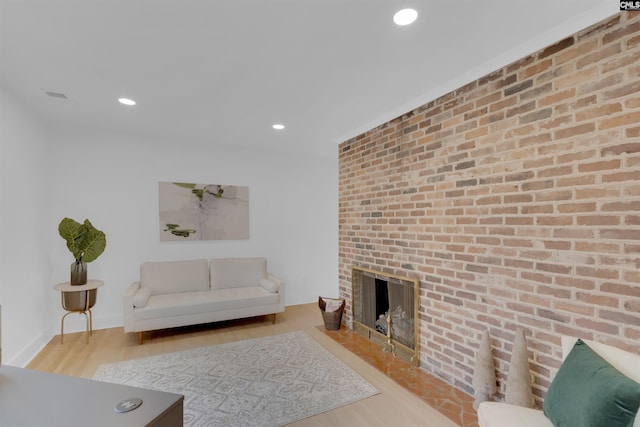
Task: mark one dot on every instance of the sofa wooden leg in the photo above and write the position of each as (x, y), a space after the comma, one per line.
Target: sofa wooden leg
(140, 338)
(273, 319)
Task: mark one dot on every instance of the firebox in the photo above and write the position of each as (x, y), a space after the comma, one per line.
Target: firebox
(386, 311)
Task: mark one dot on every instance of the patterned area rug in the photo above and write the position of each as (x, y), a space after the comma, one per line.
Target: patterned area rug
(267, 381)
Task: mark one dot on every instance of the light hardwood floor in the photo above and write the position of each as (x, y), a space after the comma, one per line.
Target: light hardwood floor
(394, 406)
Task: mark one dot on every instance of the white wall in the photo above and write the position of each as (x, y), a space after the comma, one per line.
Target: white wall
(25, 271)
(113, 181)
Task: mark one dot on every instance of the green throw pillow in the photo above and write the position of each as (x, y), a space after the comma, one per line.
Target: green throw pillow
(588, 392)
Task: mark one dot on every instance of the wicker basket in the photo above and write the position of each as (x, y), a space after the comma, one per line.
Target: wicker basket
(332, 319)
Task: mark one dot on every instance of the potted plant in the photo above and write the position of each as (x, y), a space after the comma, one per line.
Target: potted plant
(85, 242)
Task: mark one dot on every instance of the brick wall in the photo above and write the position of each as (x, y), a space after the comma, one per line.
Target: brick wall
(515, 200)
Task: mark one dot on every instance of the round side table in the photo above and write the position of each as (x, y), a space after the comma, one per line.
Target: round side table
(78, 299)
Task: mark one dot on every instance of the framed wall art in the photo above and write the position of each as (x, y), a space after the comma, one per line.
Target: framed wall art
(191, 211)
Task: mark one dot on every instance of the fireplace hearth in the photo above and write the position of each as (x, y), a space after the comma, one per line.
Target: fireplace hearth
(386, 310)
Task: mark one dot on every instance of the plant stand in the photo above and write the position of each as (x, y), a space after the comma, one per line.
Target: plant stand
(78, 299)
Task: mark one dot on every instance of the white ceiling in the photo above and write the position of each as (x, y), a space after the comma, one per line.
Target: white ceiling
(223, 71)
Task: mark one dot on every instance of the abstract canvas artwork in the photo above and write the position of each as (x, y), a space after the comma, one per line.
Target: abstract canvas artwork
(203, 211)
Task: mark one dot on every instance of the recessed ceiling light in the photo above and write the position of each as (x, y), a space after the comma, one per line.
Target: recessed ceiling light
(405, 16)
(126, 101)
(278, 126)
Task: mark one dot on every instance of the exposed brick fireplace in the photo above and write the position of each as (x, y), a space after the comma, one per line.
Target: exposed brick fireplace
(514, 200)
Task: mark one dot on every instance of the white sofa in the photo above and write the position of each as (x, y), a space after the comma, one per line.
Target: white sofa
(497, 414)
(180, 293)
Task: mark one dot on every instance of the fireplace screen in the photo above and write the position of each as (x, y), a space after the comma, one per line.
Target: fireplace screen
(385, 309)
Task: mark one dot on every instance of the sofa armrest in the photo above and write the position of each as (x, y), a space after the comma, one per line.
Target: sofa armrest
(498, 414)
(127, 305)
(281, 288)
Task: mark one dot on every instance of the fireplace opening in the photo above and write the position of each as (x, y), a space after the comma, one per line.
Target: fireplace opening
(382, 306)
(385, 310)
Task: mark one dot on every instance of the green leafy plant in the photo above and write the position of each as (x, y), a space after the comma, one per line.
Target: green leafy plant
(85, 242)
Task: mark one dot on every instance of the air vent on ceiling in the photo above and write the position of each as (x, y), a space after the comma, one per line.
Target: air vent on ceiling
(56, 95)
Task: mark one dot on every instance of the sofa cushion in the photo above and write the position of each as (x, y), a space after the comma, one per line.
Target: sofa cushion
(589, 391)
(186, 303)
(624, 361)
(269, 285)
(237, 272)
(498, 414)
(141, 297)
(170, 277)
